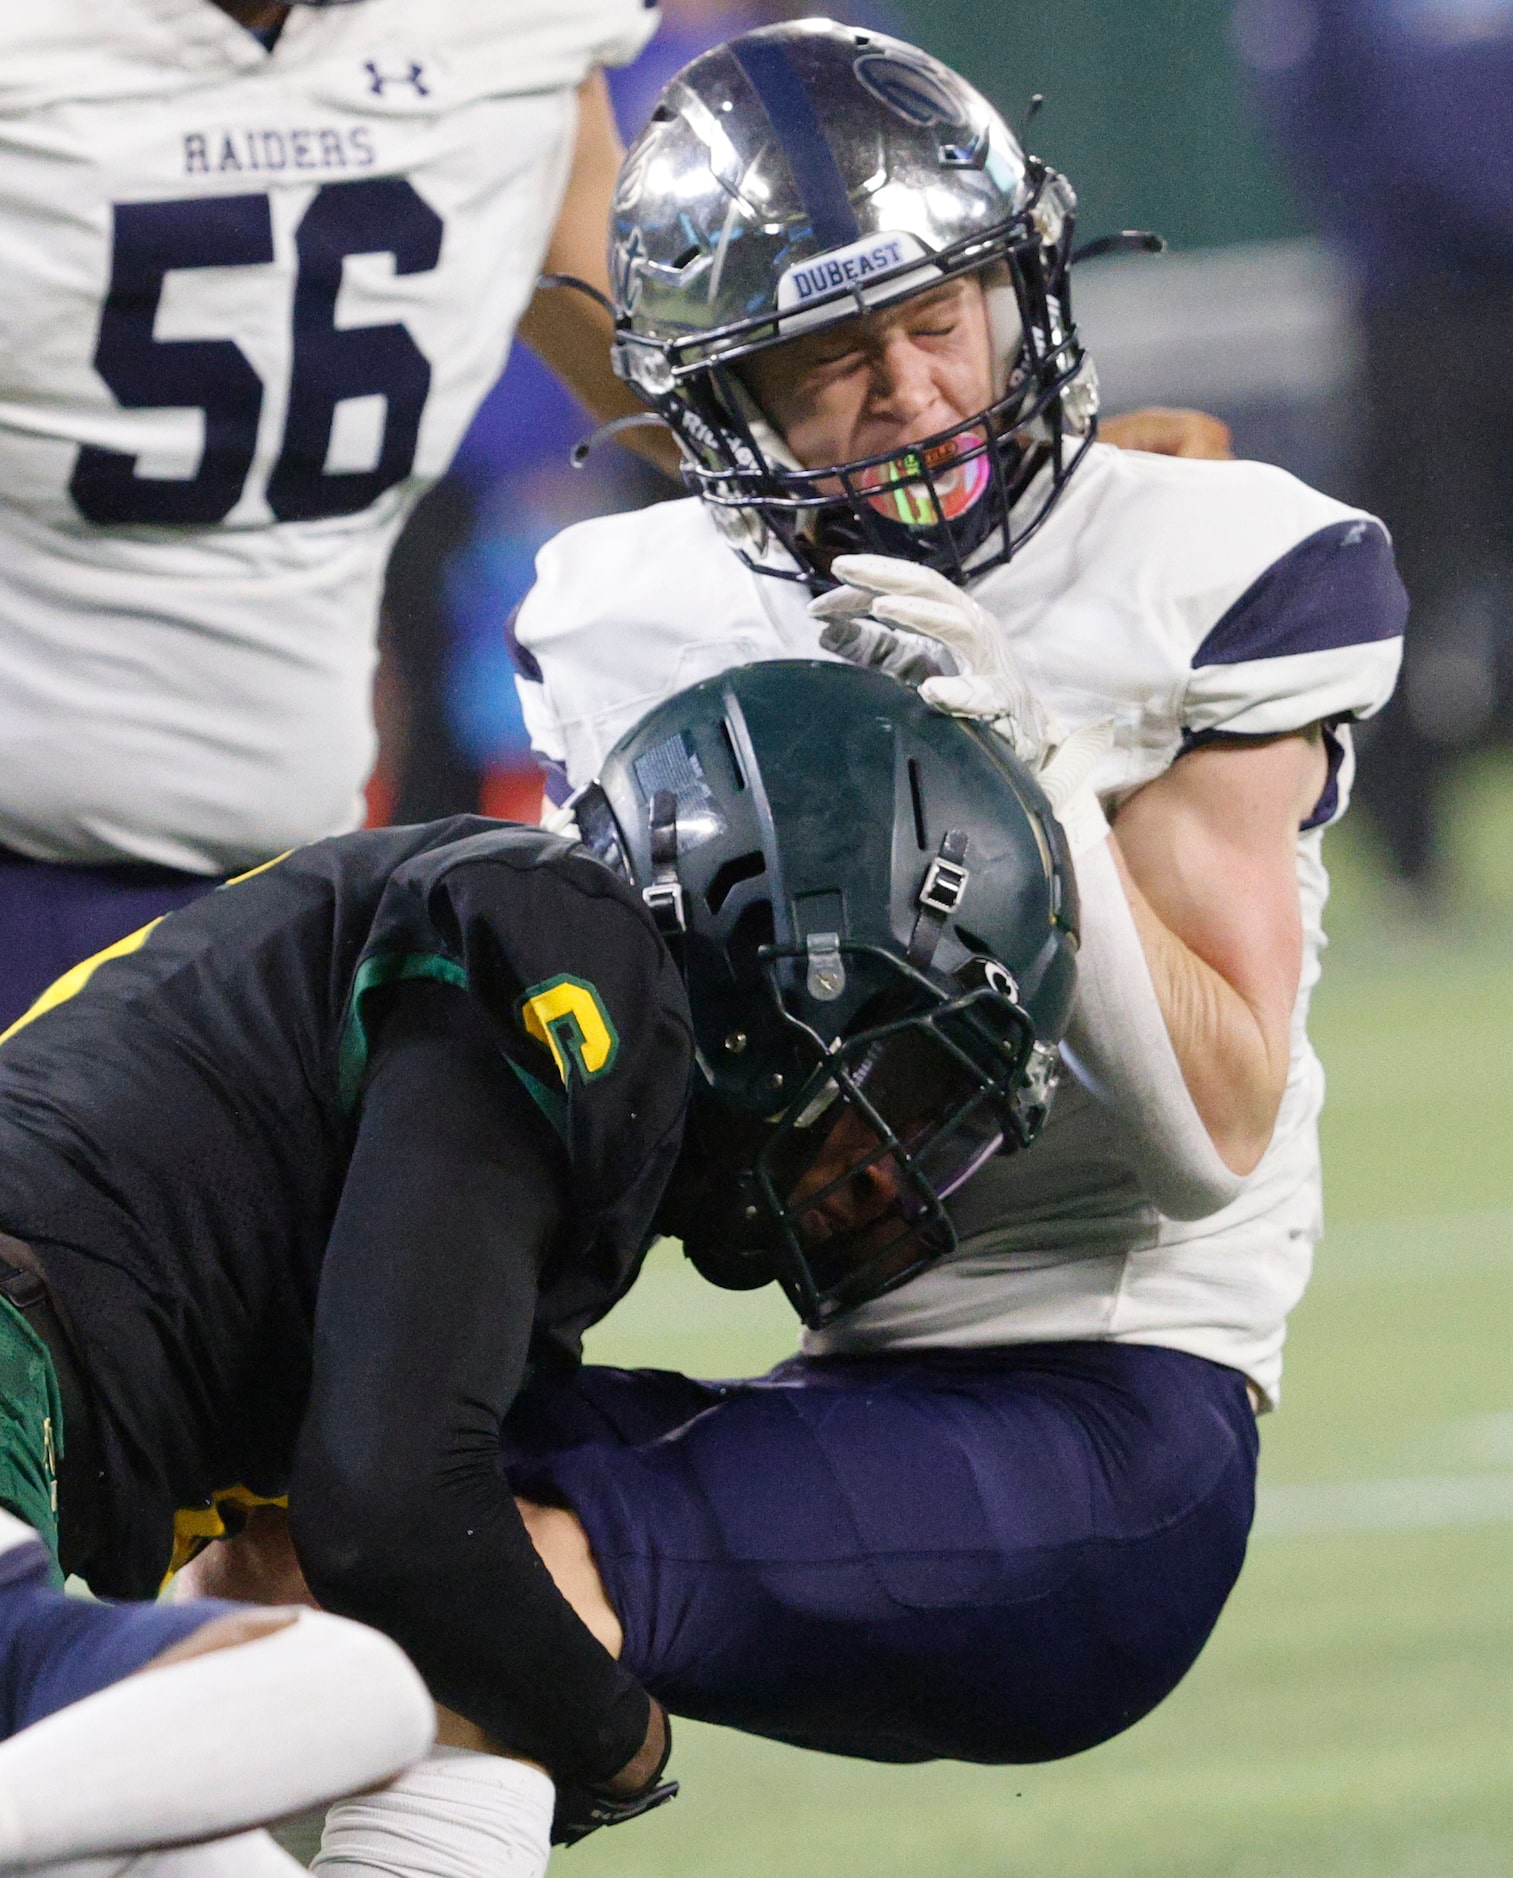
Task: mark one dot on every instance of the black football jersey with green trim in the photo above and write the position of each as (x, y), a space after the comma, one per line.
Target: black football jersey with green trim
(177, 1115)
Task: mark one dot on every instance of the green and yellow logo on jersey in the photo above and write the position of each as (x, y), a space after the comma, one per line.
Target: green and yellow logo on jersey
(568, 1016)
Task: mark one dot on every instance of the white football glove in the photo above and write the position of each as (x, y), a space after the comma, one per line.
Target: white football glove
(913, 658)
(982, 680)
(915, 625)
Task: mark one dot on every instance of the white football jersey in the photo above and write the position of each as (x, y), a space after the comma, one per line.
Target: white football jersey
(250, 301)
(1185, 600)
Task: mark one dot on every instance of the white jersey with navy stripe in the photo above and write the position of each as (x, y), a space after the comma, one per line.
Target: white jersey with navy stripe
(1187, 600)
(250, 301)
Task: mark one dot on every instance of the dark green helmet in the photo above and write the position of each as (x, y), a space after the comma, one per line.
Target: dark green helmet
(876, 917)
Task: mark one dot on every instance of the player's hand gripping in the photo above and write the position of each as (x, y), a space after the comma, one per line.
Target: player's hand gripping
(915, 625)
(911, 623)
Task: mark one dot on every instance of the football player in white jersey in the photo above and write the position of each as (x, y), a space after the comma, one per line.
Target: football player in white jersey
(259, 265)
(939, 1530)
(993, 1512)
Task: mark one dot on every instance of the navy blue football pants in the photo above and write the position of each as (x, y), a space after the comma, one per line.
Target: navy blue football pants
(997, 1555)
(52, 916)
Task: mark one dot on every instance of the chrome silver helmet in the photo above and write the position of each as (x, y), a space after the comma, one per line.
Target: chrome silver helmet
(799, 175)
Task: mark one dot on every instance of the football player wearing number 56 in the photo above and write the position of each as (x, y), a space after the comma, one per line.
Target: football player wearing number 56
(259, 264)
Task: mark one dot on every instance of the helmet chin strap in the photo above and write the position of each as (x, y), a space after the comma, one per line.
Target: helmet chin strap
(773, 444)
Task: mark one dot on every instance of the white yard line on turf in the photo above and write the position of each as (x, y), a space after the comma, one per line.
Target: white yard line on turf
(1420, 1502)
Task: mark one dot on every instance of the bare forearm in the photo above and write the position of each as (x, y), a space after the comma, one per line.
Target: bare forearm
(1163, 431)
(567, 329)
(1208, 858)
(1233, 1061)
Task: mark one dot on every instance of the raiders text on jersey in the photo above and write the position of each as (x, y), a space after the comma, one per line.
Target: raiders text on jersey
(251, 301)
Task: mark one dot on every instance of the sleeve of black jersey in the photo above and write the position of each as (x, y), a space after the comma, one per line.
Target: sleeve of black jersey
(583, 997)
(457, 1194)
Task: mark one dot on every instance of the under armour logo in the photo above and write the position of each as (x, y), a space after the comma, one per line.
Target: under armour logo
(415, 76)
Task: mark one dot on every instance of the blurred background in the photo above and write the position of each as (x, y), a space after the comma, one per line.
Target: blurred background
(1335, 178)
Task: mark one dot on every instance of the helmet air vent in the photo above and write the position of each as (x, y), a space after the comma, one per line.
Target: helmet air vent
(727, 739)
(730, 875)
(917, 799)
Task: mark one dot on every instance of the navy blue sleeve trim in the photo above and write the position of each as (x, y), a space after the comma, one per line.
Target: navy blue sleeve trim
(1328, 804)
(1340, 587)
(555, 778)
(522, 658)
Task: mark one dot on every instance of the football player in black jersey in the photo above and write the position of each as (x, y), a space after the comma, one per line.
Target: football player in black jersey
(313, 1176)
(312, 1169)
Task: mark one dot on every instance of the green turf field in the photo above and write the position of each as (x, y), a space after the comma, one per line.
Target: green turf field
(1353, 1716)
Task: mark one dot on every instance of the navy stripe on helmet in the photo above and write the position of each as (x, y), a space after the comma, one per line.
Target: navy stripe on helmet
(790, 110)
